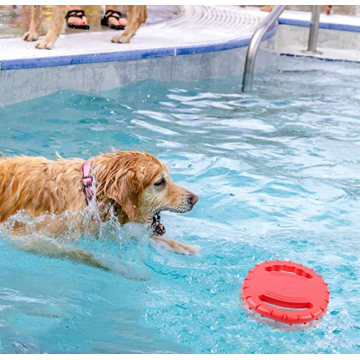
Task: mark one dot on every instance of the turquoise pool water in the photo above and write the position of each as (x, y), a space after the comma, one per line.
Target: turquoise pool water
(277, 173)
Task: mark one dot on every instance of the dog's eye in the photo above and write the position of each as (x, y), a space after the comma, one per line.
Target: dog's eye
(160, 182)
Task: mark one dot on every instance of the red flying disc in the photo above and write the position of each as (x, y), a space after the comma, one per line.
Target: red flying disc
(286, 292)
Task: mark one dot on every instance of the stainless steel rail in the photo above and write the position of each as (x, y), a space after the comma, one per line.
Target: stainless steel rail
(314, 31)
(255, 42)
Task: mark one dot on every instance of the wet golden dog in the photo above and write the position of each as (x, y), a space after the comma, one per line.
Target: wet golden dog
(136, 16)
(133, 186)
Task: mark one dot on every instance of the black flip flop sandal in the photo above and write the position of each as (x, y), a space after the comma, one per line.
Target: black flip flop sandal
(114, 14)
(78, 14)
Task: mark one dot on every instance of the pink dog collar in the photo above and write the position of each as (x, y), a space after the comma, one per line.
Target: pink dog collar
(87, 182)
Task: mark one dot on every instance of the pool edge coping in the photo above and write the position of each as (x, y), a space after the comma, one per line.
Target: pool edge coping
(130, 55)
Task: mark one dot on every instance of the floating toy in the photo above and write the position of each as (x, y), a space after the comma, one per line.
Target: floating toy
(286, 292)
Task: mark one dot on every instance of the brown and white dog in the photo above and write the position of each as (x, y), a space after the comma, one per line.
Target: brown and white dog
(136, 16)
(133, 186)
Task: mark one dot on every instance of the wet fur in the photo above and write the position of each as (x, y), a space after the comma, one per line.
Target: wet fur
(124, 187)
(136, 16)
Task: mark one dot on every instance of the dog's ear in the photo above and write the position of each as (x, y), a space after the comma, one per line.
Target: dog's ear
(126, 191)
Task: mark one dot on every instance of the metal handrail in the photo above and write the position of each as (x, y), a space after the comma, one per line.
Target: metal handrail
(314, 31)
(255, 42)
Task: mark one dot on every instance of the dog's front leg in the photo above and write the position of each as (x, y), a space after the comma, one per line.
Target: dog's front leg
(35, 24)
(57, 23)
(177, 246)
(136, 16)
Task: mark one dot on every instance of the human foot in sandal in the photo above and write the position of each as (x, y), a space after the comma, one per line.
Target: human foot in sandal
(76, 19)
(114, 20)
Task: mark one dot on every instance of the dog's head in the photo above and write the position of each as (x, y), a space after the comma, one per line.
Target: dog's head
(142, 186)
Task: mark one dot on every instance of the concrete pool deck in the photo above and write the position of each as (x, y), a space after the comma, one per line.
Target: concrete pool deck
(196, 42)
(175, 31)
(176, 43)
(191, 29)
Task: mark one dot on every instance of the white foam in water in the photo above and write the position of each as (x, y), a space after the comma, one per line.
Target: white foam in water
(35, 235)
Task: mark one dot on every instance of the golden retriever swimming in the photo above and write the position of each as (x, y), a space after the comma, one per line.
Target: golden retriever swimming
(136, 16)
(133, 186)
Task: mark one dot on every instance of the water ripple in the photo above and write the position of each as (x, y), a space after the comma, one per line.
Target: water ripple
(277, 174)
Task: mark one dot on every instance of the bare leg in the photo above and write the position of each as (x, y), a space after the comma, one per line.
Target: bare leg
(57, 23)
(137, 16)
(35, 24)
(176, 246)
(328, 9)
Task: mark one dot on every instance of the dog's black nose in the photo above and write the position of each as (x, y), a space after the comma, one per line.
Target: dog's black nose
(193, 199)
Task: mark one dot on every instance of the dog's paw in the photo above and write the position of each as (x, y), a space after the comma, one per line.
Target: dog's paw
(120, 39)
(30, 36)
(183, 249)
(43, 44)
(177, 246)
(190, 249)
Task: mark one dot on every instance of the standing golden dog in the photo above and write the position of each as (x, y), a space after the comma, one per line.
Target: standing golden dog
(133, 186)
(136, 16)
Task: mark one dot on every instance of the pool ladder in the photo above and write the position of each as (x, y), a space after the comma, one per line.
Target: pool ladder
(263, 28)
